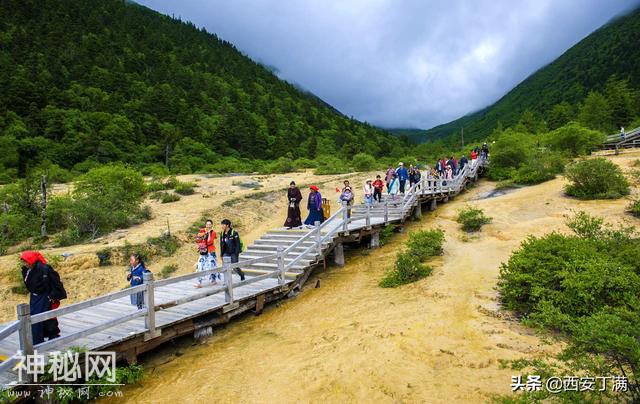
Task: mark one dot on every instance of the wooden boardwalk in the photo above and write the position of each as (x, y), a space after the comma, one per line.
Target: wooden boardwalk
(276, 266)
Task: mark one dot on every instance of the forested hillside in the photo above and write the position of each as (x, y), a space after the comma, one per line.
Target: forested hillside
(89, 82)
(607, 62)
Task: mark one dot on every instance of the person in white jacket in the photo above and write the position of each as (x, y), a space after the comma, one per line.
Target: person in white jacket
(367, 191)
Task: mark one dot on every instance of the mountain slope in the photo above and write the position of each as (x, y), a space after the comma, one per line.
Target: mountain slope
(97, 81)
(611, 50)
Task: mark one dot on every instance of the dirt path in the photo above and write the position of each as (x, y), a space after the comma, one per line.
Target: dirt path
(438, 340)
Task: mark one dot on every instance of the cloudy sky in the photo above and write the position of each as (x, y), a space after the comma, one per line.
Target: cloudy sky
(401, 63)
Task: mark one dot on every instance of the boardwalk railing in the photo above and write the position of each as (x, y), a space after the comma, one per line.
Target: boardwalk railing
(320, 237)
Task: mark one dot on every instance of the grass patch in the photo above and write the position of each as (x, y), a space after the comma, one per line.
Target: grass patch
(387, 233)
(634, 208)
(472, 219)
(185, 188)
(167, 270)
(409, 266)
(165, 197)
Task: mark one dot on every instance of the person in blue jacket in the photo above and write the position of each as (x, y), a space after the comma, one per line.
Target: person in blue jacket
(403, 176)
(135, 278)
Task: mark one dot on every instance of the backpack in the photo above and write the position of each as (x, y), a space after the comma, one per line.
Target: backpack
(56, 288)
(233, 231)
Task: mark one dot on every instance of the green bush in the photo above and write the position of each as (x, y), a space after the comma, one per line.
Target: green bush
(281, 165)
(167, 270)
(363, 162)
(472, 219)
(302, 163)
(331, 165)
(574, 139)
(585, 285)
(634, 208)
(166, 244)
(426, 243)
(407, 269)
(165, 197)
(408, 266)
(155, 186)
(540, 167)
(386, 233)
(596, 178)
(185, 188)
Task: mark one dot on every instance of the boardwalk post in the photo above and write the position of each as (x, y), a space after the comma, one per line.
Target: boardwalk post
(386, 212)
(24, 332)
(433, 204)
(149, 301)
(375, 239)
(345, 218)
(417, 212)
(280, 265)
(368, 217)
(318, 239)
(228, 293)
(338, 254)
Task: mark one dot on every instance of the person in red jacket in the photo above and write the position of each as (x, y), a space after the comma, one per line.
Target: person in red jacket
(377, 189)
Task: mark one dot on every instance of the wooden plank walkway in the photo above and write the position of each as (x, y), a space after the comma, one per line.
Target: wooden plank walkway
(276, 265)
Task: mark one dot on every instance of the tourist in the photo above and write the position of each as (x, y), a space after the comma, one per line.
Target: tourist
(230, 246)
(367, 191)
(136, 277)
(314, 205)
(439, 167)
(417, 175)
(474, 157)
(377, 189)
(455, 166)
(394, 188)
(485, 151)
(622, 134)
(205, 240)
(449, 173)
(449, 165)
(389, 176)
(412, 172)
(294, 196)
(402, 175)
(36, 275)
(346, 197)
(463, 162)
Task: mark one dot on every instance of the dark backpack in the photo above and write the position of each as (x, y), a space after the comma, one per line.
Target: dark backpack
(56, 288)
(241, 244)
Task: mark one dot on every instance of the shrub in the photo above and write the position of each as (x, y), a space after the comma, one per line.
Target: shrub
(331, 165)
(363, 162)
(281, 165)
(634, 208)
(574, 139)
(168, 197)
(472, 219)
(166, 244)
(586, 286)
(426, 243)
(104, 257)
(539, 168)
(165, 197)
(408, 266)
(386, 233)
(304, 163)
(167, 270)
(596, 178)
(185, 188)
(407, 269)
(155, 186)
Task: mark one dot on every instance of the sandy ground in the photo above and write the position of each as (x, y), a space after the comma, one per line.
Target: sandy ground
(84, 278)
(437, 340)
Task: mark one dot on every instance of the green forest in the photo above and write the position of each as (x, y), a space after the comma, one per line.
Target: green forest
(91, 82)
(607, 62)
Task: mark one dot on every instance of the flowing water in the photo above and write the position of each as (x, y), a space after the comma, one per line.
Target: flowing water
(437, 340)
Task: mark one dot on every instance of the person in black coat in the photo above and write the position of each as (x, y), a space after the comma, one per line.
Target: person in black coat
(230, 245)
(35, 274)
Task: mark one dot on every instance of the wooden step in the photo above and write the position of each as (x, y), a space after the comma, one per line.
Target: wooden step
(300, 266)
